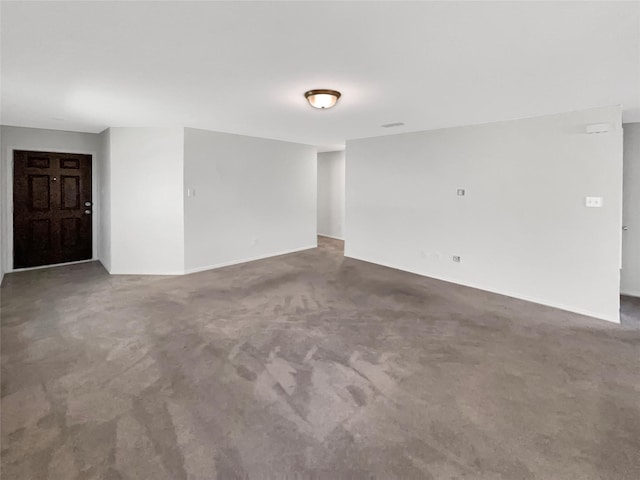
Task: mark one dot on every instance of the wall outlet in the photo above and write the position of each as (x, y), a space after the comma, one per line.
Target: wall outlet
(593, 202)
(456, 258)
(460, 192)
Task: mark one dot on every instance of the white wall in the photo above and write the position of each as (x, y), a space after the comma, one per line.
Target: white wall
(146, 177)
(18, 138)
(331, 194)
(630, 283)
(104, 194)
(254, 198)
(522, 229)
(3, 243)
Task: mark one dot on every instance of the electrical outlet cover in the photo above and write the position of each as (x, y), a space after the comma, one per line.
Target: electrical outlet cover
(593, 202)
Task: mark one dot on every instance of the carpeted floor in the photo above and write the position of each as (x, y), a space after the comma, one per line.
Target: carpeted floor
(307, 365)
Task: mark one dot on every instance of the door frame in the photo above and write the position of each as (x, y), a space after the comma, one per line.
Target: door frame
(95, 216)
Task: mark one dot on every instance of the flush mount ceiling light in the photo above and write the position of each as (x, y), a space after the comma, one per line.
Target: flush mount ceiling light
(322, 98)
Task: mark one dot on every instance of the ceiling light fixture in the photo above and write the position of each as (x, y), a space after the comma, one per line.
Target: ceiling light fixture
(322, 98)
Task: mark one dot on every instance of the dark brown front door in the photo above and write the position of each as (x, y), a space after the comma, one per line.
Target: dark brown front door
(52, 208)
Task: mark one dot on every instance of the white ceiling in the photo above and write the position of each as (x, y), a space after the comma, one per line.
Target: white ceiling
(242, 67)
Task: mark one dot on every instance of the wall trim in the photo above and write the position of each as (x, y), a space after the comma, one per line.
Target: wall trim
(251, 259)
(506, 293)
(159, 274)
(330, 236)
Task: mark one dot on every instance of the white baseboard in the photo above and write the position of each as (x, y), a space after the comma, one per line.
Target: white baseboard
(160, 273)
(330, 236)
(506, 293)
(212, 267)
(245, 260)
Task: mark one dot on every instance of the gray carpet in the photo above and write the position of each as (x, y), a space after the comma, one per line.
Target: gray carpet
(307, 366)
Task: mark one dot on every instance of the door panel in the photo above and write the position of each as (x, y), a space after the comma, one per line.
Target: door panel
(41, 234)
(34, 161)
(70, 163)
(51, 222)
(70, 232)
(70, 192)
(39, 193)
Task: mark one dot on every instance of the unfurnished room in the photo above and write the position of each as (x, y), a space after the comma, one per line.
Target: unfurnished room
(320, 240)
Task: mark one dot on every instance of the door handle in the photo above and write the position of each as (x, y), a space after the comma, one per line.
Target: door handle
(625, 228)
(87, 212)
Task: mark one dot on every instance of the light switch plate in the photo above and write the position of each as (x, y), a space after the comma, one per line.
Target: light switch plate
(593, 202)
(460, 192)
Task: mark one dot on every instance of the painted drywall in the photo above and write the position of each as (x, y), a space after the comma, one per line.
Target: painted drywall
(104, 194)
(630, 281)
(254, 198)
(331, 194)
(522, 227)
(146, 177)
(2, 221)
(18, 138)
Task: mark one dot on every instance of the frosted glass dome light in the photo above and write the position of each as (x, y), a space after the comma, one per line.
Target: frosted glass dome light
(322, 98)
